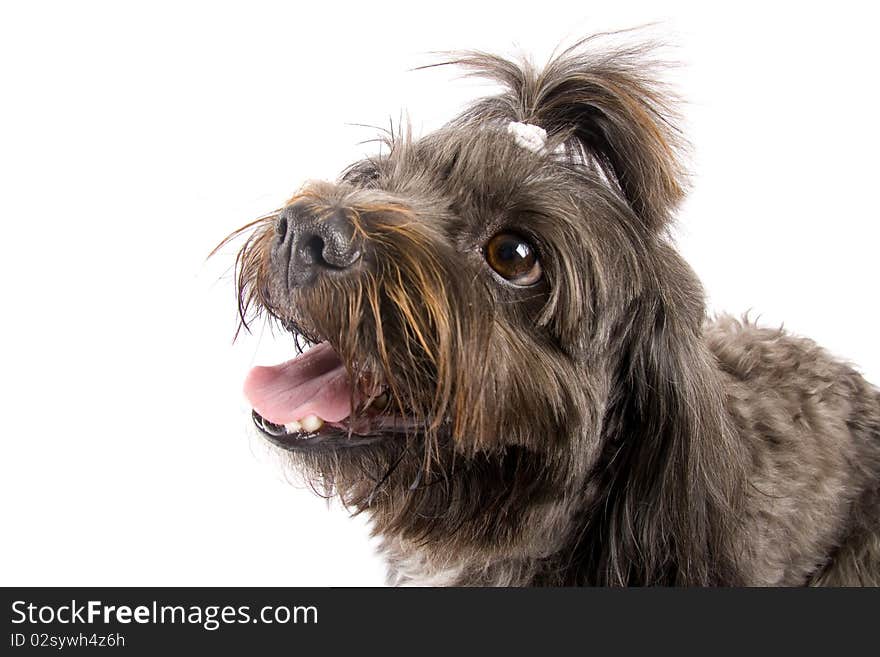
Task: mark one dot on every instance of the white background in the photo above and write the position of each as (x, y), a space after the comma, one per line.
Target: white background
(134, 137)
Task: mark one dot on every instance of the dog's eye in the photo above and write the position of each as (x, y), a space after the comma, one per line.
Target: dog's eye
(514, 259)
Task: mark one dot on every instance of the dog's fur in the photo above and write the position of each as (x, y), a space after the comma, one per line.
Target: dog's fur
(595, 428)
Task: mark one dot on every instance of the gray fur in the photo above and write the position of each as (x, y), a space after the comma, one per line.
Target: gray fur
(596, 428)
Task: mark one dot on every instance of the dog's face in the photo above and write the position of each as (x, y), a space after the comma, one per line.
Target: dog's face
(479, 308)
(448, 279)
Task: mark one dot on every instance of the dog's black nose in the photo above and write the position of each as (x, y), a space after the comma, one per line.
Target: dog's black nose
(310, 244)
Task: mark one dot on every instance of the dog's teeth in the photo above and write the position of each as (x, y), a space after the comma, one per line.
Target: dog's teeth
(311, 423)
(293, 427)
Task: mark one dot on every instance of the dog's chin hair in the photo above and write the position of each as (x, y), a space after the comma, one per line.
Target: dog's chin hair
(591, 428)
(444, 504)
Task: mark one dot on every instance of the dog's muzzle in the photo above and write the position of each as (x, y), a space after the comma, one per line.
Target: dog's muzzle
(309, 245)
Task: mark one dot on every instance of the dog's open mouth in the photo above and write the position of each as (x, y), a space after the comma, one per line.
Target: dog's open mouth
(309, 401)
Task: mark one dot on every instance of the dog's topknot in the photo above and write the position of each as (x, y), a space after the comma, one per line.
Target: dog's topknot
(605, 108)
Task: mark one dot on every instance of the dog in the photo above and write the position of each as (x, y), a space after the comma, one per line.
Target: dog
(506, 364)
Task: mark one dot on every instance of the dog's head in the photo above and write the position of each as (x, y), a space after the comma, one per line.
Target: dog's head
(490, 308)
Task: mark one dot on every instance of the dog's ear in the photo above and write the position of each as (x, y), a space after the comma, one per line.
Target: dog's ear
(669, 474)
(607, 110)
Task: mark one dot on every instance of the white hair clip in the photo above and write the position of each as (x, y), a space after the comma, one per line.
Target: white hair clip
(531, 137)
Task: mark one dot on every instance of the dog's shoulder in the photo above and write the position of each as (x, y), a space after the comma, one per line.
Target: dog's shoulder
(772, 376)
(811, 426)
(773, 358)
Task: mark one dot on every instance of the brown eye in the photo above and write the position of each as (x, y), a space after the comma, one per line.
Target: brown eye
(513, 258)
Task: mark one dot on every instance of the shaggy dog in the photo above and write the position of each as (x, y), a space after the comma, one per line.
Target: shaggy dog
(511, 368)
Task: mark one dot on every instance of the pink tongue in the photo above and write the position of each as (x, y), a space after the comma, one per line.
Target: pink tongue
(313, 383)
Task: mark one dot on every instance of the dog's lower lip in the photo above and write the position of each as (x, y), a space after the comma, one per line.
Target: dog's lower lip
(335, 435)
(270, 428)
